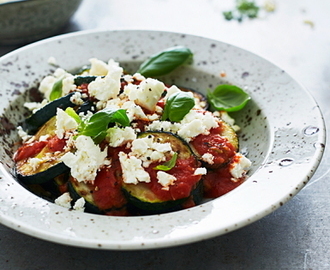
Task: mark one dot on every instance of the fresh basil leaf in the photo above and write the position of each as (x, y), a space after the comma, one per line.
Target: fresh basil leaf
(177, 106)
(98, 123)
(168, 165)
(164, 62)
(71, 112)
(56, 90)
(228, 98)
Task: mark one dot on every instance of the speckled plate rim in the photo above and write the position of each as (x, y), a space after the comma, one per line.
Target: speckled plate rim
(294, 149)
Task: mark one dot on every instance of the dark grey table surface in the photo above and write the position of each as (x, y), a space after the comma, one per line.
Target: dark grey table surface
(296, 37)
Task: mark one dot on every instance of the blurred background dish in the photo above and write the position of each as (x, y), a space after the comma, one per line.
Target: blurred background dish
(24, 21)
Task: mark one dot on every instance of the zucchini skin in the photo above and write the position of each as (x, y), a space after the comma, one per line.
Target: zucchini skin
(41, 116)
(144, 199)
(79, 80)
(44, 176)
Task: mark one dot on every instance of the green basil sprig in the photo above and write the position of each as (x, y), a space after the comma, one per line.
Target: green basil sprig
(56, 90)
(177, 106)
(168, 165)
(97, 125)
(228, 98)
(165, 61)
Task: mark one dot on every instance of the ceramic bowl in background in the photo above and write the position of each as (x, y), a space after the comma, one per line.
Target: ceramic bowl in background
(24, 21)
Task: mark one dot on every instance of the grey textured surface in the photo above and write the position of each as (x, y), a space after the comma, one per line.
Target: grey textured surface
(297, 235)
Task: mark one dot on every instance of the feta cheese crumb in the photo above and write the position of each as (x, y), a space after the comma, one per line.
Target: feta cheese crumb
(200, 171)
(208, 158)
(196, 123)
(87, 159)
(133, 171)
(165, 179)
(108, 87)
(79, 205)
(23, 135)
(64, 200)
(146, 94)
(239, 166)
(120, 136)
(64, 122)
(76, 98)
(34, 163)
(149, 151)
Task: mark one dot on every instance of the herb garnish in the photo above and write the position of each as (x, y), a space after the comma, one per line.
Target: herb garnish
(97, 125)
(177, 106)
(56, 90)
(228, 98)
(165, 61)
(168, 165)
(243, 9)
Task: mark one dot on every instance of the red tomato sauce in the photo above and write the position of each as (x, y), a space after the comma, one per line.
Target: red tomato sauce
(54, 144)
(216, 145)
(182, 187)
(218, 182)
(29, 150)
(107, 193)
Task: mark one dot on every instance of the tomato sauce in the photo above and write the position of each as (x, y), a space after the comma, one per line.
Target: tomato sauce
(29, 150)
(182, 187)
(107, 192)
(216, 145)
(219, 182)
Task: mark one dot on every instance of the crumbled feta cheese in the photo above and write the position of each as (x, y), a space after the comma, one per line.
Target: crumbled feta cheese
(34, 106)
(172, 90)
(120, 136)
(134, 111)
(98, 67)
(68, 84)
(164, 126)
(133, 171)
(79, 205)
(23, 135)
(229, 120)
(46, 85)
(87, 159)
(208, 158)
(149, 151)
(64, 200)
(195, 123)
(200, 171)
(146, 94)
(239, 166)
(108, 87)
(76, 98)
(165, 179)
(64, 122)
(34, 163)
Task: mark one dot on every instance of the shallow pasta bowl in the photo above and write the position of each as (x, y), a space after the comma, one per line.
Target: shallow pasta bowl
(282, 131)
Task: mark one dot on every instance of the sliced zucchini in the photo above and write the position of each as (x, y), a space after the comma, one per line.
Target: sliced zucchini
(79, 80)
(229, 133)
(150, 197)
(40, 168)
(41, 116)
(103, 195)
(79, 190)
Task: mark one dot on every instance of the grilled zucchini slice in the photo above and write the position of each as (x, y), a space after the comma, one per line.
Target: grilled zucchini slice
(152, 197)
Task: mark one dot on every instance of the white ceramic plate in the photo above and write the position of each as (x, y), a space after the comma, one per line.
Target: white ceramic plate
(282, 132)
